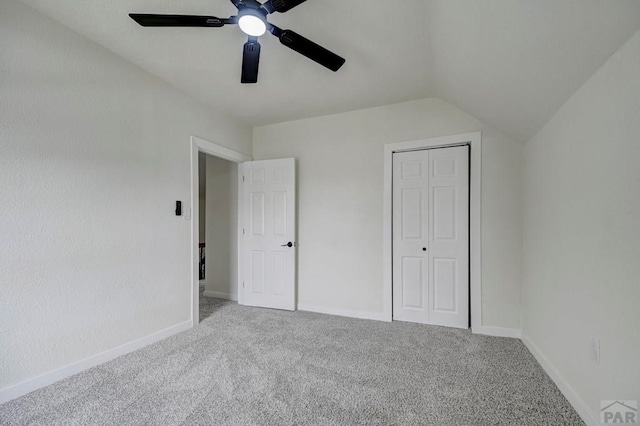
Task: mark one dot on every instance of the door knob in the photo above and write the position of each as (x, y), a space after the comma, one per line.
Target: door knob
(289, 244)
(424, 249)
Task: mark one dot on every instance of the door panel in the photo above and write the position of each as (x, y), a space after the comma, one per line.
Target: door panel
(412, 213)
(449, 242)
(412, 280)
(279, 273)
(269, 268)
(431, 236)
(280, 214)
(444, 285)
(257, 272)
(410, 225)
(257, 213)
(444, 213)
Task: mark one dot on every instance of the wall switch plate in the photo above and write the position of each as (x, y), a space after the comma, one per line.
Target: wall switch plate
(595, 349)
(187, 213)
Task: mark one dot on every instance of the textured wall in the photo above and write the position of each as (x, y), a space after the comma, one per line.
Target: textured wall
(582, 235)
(340, 187)
(93, 154)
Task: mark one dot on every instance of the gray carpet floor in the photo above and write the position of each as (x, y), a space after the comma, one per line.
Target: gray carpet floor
(208, 305)
(249, 366)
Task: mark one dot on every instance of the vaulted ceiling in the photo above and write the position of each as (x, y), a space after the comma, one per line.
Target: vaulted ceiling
(511, 63)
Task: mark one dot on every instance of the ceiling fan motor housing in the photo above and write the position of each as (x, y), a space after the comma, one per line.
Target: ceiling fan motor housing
(253, 11)
(253, 4)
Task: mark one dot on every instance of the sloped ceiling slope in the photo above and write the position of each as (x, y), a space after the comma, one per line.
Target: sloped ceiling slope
(511, 63)
(384, 48)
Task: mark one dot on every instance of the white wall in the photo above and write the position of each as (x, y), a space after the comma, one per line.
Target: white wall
(581, 272)
(222, 228)
(93, 154)
(340, 189)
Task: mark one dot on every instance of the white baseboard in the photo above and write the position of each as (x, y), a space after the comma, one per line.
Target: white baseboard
(46, 379)
(567, 390)
(497, 331)
(218, 295)
(376, 316)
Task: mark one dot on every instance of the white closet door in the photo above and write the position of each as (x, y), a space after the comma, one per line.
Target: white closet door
(269, 246)
(431, 236)
(449, 237)
(411, 236)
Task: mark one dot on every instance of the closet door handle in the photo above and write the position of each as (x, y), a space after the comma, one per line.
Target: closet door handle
(289, 244)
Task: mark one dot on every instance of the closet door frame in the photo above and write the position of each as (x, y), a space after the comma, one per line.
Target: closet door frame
(474, 141)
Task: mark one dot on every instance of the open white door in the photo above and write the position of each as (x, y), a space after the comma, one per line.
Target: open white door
(269, 244)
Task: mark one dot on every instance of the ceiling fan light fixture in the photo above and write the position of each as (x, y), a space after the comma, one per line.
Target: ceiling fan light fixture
(252, 20)
(251, 23)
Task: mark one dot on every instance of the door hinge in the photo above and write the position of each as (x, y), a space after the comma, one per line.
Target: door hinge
(243, 178)
(242, 284)
(242, 231)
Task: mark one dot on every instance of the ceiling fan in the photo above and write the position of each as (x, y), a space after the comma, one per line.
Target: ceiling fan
(252, 20)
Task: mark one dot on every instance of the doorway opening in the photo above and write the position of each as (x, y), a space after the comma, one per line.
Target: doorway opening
(218, 227)
(216, 237)
(418, 263)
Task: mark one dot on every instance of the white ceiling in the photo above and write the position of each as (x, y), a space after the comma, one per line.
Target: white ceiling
(511, 63)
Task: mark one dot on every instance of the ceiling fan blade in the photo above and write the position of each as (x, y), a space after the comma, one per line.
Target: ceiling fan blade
(250, 61)
(151, 20)
(311, 50)
(281, 6)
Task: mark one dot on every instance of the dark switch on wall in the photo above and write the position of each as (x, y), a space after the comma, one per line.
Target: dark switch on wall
(178, 208)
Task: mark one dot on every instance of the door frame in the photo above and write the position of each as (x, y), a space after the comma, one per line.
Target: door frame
(201, 145)
(474, 141)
